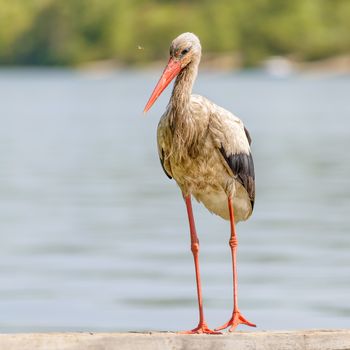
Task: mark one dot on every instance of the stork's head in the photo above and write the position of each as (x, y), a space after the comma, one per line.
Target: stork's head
(184, 49)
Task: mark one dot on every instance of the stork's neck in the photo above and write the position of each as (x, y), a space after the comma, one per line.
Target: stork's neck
(184, 132)
(180, 98)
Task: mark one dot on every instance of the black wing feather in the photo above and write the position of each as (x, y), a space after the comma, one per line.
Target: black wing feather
(162, 164)
(248, 136)
(242, 166)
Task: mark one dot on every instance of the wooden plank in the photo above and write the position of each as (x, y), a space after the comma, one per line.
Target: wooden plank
(274, 340)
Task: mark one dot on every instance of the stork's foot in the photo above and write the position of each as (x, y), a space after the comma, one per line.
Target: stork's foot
(202, 328)
(235, 320)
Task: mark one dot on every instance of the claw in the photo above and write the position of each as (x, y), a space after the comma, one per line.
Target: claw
(235, 320)
(202, 328)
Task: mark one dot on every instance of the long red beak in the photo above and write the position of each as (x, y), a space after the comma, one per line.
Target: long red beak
(172, 69)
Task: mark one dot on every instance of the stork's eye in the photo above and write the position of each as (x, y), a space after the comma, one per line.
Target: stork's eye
(184, 51)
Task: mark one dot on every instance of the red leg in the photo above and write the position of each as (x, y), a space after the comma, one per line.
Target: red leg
(202, 325)
(237, 317)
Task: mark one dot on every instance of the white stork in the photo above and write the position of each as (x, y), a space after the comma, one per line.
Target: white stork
(206, 150)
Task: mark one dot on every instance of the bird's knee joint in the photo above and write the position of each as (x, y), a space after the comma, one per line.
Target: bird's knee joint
(195, 248)
(233, 242)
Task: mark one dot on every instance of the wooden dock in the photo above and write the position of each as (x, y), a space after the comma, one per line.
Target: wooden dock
(274, 340)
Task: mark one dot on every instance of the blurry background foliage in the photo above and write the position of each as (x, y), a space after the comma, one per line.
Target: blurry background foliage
(71, 32)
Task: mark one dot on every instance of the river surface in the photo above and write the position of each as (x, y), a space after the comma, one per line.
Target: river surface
(94, 236)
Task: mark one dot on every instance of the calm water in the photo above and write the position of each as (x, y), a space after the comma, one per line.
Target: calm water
(94, 236)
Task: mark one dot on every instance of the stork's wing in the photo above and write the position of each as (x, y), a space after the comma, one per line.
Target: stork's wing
(233, 141)
(162, 138)
(161, 158)
(242, 167)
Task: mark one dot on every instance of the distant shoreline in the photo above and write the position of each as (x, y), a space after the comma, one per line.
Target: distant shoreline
(228, 62)
(215, 62)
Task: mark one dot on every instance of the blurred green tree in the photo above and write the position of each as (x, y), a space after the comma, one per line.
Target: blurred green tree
(69, 32)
